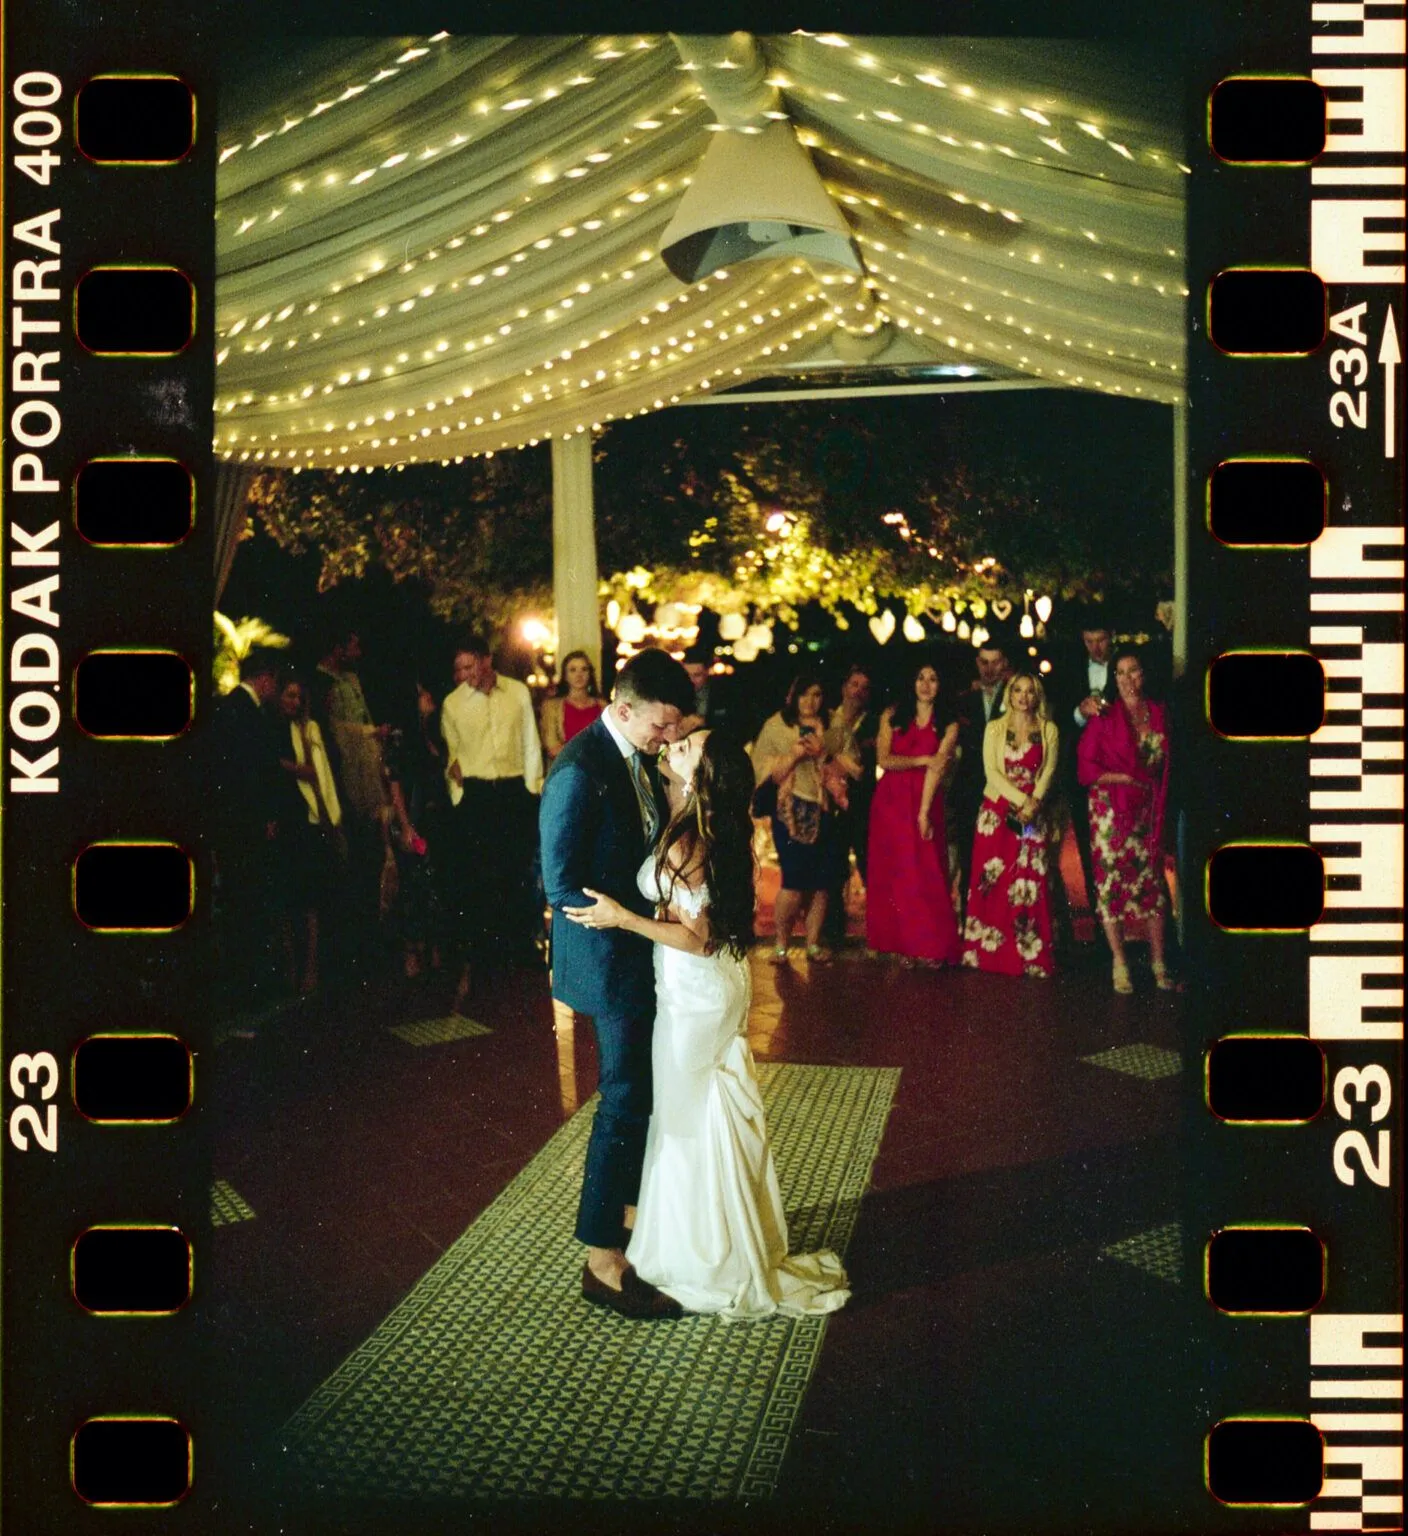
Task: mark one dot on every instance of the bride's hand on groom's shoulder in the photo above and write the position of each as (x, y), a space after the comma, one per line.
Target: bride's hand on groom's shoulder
(603, 913)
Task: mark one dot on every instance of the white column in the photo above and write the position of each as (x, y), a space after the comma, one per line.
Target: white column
(574, 578)
(1180, 538)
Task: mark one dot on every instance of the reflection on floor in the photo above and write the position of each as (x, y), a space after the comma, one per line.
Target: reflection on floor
(995, 1370)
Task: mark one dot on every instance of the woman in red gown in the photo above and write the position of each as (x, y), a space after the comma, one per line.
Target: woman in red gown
(1008, 923)
(573, 707)
(908, 909)
(1123, 759)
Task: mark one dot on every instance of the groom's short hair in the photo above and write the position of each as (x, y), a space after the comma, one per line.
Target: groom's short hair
(655, 677)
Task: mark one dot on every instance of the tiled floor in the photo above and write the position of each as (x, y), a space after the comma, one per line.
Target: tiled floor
(993, 1372)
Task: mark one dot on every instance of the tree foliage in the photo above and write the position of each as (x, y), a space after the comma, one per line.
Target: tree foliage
(479, 538)
(687, 509)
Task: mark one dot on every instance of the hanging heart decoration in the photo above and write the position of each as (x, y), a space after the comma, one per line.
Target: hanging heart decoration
(1002, 607)
(882, 626)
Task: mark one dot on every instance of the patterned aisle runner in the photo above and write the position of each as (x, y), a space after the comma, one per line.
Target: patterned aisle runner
(494, 1380)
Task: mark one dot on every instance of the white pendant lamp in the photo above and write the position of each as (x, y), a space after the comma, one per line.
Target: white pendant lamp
(755, 196)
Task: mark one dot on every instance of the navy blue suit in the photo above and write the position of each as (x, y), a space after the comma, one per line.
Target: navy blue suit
(591, 834)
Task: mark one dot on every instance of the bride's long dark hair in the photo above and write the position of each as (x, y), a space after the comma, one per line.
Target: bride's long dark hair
(715, 824)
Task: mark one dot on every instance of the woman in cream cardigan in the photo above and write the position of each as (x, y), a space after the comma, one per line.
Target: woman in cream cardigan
(799, 782)
(1007, 927)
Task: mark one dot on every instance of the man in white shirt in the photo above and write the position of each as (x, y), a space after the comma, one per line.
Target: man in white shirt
(494, 770)
(1099, 685)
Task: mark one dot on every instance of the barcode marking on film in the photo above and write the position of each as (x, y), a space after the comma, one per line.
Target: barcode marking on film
(1363, 1487)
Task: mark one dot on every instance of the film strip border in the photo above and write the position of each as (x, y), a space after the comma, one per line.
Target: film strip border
(143, 1268)
(1305, 513)
(108, 185)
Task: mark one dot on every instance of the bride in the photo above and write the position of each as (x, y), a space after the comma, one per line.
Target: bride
(709, 1228)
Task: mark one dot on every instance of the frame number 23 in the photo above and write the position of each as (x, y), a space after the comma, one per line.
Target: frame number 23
(28, 1073)
(1372, 1088)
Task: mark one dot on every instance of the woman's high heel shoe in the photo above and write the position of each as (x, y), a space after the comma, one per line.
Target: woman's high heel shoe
(1123, 985)
(1162, 980)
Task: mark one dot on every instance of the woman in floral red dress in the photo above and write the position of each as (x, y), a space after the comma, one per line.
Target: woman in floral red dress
(1123, 758)
(1008, 923)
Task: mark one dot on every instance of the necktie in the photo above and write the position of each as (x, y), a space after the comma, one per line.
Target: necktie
(649, 815)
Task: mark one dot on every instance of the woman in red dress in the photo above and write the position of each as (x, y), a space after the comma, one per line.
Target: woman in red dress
(908, 909)
(573, 707)
(1123, 757)
(1008, 926)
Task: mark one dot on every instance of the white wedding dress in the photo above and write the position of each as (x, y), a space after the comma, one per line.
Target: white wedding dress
(709, 1229)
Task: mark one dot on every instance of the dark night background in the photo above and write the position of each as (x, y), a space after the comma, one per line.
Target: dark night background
(1093, 471)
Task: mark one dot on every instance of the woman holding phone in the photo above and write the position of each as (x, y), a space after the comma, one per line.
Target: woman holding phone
(798, 782)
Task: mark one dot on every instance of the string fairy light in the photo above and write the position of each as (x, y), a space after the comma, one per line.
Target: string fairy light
(547, 337)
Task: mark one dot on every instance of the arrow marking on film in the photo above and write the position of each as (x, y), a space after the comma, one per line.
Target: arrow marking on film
(1390, 357)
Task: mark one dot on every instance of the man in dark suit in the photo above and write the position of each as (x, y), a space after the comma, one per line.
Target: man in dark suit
(965, 795)
(252, 794)
(712, 699)
(602, 810)
(1085, 687)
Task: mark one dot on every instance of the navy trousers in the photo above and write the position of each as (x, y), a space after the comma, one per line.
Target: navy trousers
(616, 1148)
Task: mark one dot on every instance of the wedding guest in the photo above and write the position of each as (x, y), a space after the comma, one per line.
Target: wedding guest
(713, 700)
(354, 742)
(250, 803)
(416, 762)
(1008, 923)
(573, 706)
(312, 847)
(797, 785)
(1086, 691)
(974, 709)
(908, 907)
(850, 738)
(1124, 763)
(494, 770)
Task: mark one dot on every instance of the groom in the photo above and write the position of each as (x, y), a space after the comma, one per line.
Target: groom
(601, 811)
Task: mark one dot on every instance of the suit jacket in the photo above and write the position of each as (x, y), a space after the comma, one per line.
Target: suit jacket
(251, 789)
(966, 791)
(590, 828)
(719, 702)
(1070, 687)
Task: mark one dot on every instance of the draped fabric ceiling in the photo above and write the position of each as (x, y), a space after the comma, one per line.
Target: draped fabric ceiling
(447, 246)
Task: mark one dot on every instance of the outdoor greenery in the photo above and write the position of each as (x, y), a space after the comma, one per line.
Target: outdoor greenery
(763, 509)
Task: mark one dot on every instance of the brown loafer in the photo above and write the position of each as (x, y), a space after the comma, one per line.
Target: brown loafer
(637, 1298)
